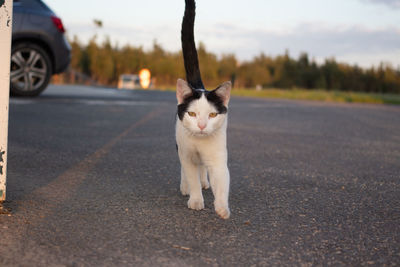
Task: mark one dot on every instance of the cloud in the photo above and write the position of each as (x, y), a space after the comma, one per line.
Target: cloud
(319, 41)
(143, 36)
(389, 3)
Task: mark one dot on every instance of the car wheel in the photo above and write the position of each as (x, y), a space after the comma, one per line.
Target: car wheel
(31, 69)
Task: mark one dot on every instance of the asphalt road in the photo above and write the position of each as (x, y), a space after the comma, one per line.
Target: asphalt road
(93, 180)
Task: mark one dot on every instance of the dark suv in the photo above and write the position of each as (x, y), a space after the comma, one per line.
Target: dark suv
(39, 47)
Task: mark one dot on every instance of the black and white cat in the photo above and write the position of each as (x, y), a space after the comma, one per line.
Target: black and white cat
(201, 128)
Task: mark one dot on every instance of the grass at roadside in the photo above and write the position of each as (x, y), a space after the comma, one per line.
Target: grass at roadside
(321, 95)
(315, 95)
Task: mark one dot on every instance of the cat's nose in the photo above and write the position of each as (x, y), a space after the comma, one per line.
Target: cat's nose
(201, 126)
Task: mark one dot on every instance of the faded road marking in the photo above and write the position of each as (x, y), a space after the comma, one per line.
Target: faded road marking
(60, 189)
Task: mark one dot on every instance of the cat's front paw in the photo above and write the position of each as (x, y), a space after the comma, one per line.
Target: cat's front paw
(223, 211)
(196, 204)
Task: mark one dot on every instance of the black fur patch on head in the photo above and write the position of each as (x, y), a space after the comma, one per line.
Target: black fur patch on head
(182, 108)
(216, 100)
(211, 97)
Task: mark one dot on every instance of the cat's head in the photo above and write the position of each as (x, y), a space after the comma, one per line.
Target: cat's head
(202, 112)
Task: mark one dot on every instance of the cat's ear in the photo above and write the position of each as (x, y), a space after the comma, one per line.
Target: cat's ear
(224, 92)
(183, 90)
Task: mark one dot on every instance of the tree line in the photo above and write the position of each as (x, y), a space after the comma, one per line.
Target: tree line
(103, 64)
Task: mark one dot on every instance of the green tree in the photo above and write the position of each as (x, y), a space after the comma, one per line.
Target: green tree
(105, 63)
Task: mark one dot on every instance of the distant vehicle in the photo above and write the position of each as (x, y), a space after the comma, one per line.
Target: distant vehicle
(39, 47)
(129, 81)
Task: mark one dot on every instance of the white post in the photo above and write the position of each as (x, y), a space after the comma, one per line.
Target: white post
(5, 53)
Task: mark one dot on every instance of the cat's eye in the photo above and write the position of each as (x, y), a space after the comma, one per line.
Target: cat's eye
(192, 114)
(212, 115)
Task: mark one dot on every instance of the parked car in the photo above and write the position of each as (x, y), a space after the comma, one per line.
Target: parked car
(129, 81)
(39, 47)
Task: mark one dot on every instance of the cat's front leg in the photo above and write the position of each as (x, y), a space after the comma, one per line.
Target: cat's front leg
(191, 175)
(219, 179)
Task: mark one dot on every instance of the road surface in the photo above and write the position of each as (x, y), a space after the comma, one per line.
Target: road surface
(93, 180)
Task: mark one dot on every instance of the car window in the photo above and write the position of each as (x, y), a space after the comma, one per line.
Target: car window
(28, 3)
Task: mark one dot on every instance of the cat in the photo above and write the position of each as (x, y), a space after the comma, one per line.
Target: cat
(201, 126)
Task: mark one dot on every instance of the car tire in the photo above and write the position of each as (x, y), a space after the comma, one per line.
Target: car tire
(31, 69)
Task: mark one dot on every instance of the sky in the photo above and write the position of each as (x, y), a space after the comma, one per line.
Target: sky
(362, 32)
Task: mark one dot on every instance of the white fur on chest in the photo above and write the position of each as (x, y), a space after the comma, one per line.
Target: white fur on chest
(202, 149)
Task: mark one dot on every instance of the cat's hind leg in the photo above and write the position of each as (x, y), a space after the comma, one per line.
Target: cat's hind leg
(184, 185)
(203, 177)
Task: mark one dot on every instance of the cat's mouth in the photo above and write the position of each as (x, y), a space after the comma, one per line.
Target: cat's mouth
(202, 133)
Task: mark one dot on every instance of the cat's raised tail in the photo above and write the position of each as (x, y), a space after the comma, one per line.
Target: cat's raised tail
(189, 51)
